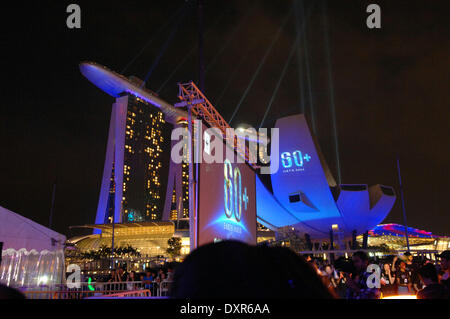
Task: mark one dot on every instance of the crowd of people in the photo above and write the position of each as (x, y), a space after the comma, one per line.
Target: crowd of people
(398, 276)
(345, 279)
(157, 281)
(234, 269)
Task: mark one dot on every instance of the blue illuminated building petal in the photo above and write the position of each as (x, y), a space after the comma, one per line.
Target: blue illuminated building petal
(305, 195)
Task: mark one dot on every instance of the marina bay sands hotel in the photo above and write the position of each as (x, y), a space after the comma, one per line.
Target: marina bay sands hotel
(146, 195)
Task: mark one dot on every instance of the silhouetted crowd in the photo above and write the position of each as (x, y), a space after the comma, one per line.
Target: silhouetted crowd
(231, 269)
(156, 281)
(397, 276)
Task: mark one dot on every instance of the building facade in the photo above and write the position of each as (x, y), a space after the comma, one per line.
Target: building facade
(132, 188)
(394, 237)
(176, 207)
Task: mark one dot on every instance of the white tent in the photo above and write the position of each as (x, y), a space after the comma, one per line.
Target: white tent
(32, 254)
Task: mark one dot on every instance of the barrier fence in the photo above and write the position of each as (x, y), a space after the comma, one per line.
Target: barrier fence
(98, 289)
(126, 295)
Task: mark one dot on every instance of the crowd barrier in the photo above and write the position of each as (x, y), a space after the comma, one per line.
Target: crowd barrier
(97, 289)
(127, 294)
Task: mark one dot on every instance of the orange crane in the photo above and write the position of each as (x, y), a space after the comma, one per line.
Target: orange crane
(191, 96)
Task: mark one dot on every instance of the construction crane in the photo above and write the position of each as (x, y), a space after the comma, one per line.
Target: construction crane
(191, 96)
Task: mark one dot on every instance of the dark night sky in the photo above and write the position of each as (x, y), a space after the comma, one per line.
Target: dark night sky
(391, 92)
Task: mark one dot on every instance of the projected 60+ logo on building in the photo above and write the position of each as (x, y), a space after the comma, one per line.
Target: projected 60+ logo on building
(235, 197)
(294, 161)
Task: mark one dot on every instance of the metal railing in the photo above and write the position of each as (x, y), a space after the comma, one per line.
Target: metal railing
(96, 289)
(128, 294)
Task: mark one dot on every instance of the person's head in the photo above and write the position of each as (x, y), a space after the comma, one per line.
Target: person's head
(445, 260)
(328, 269)
(148, 273)
(386, 267)
(234, 269)
(10, 293)
(428, 274)
(402, 265)
(360, 261)
(133, 274)
(426, 261)
(408, 257)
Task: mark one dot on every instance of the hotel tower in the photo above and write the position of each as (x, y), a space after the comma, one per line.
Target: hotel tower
(132, 188)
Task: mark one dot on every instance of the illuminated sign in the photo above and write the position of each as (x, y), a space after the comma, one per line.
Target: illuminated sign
(131, 216)
(234, 203)
(295, 160)
(134, 216)
(286, 159)
(227, 200)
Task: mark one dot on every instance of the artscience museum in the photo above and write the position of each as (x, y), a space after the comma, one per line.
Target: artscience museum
(303, 195)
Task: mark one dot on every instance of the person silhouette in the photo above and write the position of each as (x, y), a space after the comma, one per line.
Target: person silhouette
(232, 269)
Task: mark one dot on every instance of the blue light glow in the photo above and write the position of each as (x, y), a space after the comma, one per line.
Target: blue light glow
(286, 159)
(237, 227)
(239, 197)
(233, 215)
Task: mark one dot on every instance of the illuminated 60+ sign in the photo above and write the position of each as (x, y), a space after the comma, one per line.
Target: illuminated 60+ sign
(297, 158)
(233, 186)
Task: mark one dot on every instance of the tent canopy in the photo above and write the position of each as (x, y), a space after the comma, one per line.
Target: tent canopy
(18, 232)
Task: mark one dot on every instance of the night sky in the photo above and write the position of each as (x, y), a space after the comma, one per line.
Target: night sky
(391, 92)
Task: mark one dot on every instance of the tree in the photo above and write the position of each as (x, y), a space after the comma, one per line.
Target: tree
(174, 248)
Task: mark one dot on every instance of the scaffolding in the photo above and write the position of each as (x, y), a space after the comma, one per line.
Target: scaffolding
(191, 96)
